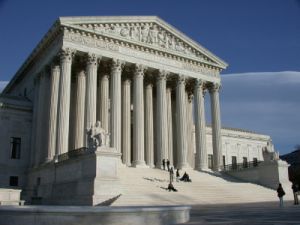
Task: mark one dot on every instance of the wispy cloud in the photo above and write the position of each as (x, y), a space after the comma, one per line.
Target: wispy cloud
(267, 102)
(2, 85)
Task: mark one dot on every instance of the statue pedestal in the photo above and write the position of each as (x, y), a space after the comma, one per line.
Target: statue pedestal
(89, 177)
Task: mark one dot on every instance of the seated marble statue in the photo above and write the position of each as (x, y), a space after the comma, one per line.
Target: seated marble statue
(269, 154)
(97, 136)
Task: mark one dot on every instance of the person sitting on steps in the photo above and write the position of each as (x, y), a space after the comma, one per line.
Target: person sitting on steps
(186, 177)
(171, 187)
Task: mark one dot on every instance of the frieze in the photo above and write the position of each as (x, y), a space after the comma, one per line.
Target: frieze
(90, 41)
(147, 33)
(199, 69)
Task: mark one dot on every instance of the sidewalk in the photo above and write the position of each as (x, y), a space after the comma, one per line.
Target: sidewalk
(243, 214)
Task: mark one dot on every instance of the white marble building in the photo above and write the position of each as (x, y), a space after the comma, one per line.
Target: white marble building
(139, 76)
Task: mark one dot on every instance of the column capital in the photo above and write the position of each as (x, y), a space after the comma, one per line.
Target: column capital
(199, 83)
(93, 59)
(117, 65)
(214, 87)
(181, 79)
(162, 75)
(139, 70)
(67, 54)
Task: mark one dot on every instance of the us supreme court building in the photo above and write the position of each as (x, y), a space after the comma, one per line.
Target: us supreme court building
(144, 80)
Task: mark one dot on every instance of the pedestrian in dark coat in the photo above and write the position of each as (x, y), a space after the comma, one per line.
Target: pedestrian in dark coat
(164, 164)
(295, 192)
(168, 165)
(280, 194)
(177, 175)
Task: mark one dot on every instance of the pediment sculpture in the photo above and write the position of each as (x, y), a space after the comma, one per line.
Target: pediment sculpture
(148, 33)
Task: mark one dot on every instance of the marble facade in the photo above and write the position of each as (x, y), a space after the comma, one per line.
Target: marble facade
(136, 75)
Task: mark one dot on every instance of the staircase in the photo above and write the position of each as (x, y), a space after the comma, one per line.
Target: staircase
(144, 186)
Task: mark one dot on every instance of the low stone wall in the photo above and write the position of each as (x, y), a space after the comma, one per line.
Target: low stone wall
(268, 174)
(9, 196)
(82, 215)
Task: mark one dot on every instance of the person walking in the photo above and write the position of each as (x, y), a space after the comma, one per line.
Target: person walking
(280, 194)
(295, 192)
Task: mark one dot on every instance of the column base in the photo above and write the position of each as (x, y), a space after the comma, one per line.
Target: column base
(139, 164)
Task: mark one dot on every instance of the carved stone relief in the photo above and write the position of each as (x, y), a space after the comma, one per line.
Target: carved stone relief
(149, 33)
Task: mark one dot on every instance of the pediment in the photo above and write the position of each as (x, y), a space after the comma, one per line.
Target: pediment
(149, 31)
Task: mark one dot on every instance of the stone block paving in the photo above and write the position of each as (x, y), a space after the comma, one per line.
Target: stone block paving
(243, 214)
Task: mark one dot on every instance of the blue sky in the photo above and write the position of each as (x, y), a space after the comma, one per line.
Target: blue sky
(252, 36)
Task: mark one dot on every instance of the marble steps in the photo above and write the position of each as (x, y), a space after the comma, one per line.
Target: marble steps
(145, 187)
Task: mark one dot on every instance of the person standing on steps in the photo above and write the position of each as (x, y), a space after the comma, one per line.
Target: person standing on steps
(168, 165)
(295, 192)
(177, 175)
(280, 194)
(164, 164)
(171, 174)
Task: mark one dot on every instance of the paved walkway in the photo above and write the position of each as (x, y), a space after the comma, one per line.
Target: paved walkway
(252, 214)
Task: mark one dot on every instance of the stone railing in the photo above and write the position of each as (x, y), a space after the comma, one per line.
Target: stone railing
(74, 153)
(241, 166)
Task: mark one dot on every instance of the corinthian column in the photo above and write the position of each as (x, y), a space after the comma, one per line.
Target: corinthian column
(181, 124)
(63, 112)
(161, 115)
(149, 125)
(104, 98)
(79, 111)
(169, 125)
(115, 117)
(216, 126)
(200, 134)
(138, 117)
(91, 91)
(54, 85)
(126, 124)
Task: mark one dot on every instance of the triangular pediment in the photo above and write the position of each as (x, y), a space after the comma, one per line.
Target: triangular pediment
(149, 31)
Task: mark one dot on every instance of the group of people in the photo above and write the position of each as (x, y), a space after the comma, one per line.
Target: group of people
(166, 162)
(281, 193)
(185, 178)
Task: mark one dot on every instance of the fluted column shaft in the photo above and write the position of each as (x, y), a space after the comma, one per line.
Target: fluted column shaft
(138, 117)
(40, 119)
(91, 91)
(181, 123)
(63, 112)
(149, 148)
(161, 116)
(216, 127)
(115, 117)
(104, 98)
(200, 134)
(189, 127)
(126, 124)
(80, 110)
(54, 86)
(169, 125)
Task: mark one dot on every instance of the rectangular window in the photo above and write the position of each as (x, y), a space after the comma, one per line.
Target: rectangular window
(210, 161)
(245, 162)
(233, 162)
(15, 143)
(13, 181)
(255, 162)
